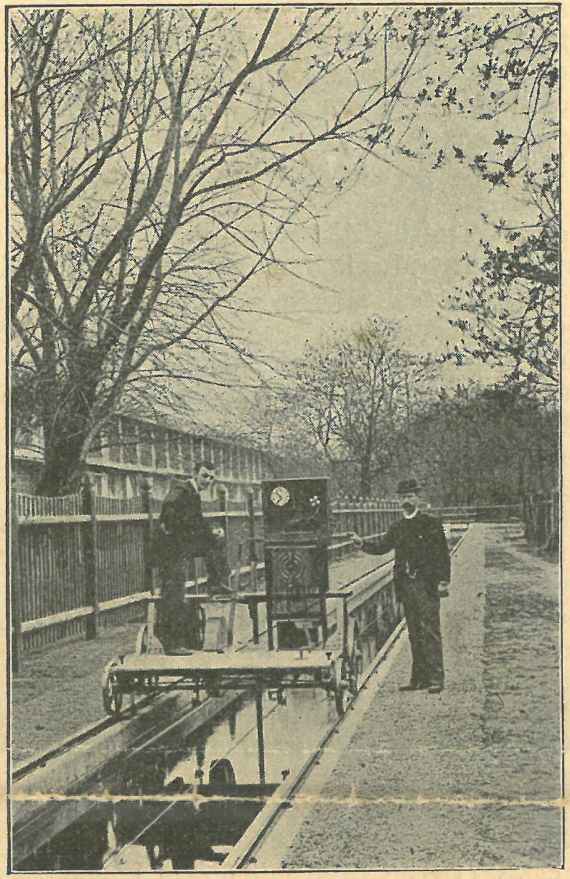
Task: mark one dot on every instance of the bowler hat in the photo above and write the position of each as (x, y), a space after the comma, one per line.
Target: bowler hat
(406, 486)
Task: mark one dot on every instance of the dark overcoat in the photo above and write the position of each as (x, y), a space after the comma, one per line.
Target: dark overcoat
(420, 549)
(183, 531)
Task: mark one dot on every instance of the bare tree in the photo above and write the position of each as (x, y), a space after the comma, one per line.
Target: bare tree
(502, 73)
(352, 399)
(485, 445)
(162, 158)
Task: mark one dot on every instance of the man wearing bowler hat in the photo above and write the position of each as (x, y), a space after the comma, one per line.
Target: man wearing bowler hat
(421, 577)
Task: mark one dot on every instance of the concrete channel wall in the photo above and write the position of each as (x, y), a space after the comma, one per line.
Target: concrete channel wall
(372, 609)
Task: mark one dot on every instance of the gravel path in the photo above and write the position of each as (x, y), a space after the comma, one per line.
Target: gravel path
(469, 778)
(58, 690)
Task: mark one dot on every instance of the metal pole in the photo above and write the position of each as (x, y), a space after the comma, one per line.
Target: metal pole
(15, 587)
(148, 551)
(89, 537)
(270, 640)
(223, 499)
(260, 741)
(254, 616)
(252, 547)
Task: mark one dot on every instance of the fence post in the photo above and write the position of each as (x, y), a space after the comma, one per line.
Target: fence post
(527, 517)
(89, 545)
(146, 491)
(223, 499)
(251, 541)
(15, 586)
(542, 518)
(555, 515)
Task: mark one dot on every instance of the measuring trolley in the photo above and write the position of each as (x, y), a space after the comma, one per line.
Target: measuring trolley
(290, 646)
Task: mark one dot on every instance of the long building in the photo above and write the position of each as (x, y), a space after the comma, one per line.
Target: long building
(131, 448)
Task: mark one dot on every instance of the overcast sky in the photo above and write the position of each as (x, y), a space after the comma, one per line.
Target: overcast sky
(392, 246)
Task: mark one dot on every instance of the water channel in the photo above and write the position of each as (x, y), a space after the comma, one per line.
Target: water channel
(141, 816)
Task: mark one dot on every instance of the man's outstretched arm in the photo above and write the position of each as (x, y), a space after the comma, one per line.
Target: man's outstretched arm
(377, 545)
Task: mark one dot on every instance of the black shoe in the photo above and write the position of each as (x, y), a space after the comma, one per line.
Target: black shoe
(407, 688)
(180, 651)
(435, 688)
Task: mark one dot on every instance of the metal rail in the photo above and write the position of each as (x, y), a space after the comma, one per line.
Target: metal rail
(286, 791)
(100, 726)
(284, 794)
(250, 841)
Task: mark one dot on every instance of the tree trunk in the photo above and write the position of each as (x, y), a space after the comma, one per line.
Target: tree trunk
(365, 479)
(66, 440)
(64, 467)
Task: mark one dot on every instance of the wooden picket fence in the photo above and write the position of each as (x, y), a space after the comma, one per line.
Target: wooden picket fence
(79, 563)
(499, 513)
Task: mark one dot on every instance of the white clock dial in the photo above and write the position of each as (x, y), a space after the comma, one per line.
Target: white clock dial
(280, 496)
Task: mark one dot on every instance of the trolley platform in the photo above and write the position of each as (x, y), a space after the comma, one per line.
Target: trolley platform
(208, 672)
(231, 665)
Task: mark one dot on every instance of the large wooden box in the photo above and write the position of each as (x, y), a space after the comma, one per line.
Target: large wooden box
(296, 539)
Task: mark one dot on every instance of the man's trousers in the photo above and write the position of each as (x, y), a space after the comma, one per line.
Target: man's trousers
(178, 621)
(421, 607)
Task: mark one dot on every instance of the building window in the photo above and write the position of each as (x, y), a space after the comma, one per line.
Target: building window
(174, 457)
(114, 433)
(130, 440)
(197, 449)
(160, 448)
(206, 449)
(187, 462)
(146, 441)
(222, 456)
(249, 465)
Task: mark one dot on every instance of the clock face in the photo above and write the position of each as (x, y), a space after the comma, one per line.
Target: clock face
(280, 496)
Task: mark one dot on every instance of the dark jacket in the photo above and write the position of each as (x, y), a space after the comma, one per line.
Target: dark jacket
(182, 528)
(420, 548)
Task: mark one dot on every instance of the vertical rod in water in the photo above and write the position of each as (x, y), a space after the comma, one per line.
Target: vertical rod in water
(260, 740)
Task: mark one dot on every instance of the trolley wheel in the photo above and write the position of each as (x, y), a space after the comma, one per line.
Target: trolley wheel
(145, 644)
(355, 664)
(112, 695)
(340, 687)
(340, 700)
(221, 772)
(347, 677)
(201, 626)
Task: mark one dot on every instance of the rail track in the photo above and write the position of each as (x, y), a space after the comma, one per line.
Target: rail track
(97, 727)
(258, 830)
(240, 855)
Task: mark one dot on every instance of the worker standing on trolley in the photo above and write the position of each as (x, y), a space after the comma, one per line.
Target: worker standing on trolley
(421, 578)
(183, 534)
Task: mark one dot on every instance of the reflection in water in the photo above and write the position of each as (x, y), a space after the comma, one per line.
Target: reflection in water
(165, 834)
(168, 830)
(160, 827)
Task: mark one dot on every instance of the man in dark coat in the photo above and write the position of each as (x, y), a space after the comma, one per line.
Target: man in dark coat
(183, 534)
(421, 576)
